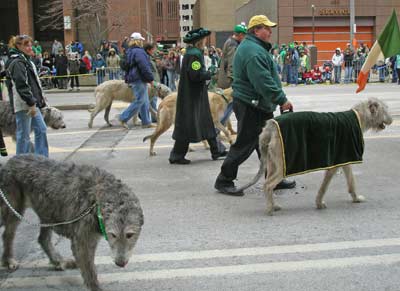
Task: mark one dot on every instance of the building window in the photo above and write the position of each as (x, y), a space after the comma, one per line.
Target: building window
(185, 6)
(159, 9)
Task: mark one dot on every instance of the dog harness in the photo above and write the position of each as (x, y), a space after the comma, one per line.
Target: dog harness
(313, 141)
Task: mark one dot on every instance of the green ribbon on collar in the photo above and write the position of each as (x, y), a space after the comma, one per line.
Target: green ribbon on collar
(101, 223)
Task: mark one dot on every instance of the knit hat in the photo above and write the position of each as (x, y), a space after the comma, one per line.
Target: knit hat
(260, 19)
(196, 34)
(240, 28)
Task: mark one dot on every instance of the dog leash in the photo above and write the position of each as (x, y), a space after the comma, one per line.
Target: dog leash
(221, 93)
(20, 217)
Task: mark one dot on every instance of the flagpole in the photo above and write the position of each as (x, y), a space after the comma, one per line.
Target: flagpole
(352, 21)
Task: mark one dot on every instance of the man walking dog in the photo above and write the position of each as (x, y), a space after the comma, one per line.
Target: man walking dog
(257, 91)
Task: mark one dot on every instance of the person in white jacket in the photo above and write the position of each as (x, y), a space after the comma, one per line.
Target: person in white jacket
(337, 60)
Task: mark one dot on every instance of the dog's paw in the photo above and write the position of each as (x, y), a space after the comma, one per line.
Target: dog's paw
(359, 199)
(277, 207)
(270, 211)
(152, 154)
(64, 265)
(321, 205)
(11, 264)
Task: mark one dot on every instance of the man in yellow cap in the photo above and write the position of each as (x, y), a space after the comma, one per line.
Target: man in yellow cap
(257, 91)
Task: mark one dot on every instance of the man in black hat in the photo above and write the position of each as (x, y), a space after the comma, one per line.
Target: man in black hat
(193, 121)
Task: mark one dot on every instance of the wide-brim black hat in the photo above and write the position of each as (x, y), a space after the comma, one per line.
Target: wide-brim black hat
(196, 34)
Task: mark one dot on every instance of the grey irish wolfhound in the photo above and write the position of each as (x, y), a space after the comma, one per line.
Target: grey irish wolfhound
(372, 114)
(58, 192)
(112, 90)
(51, 115)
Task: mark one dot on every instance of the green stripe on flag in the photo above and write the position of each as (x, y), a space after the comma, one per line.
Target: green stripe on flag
(389, 39)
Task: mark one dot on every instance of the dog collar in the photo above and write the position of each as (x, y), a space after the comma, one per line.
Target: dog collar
(221, 93)
(101, 223)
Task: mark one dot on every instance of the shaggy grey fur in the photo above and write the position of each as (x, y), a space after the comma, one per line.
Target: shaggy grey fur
(51, 115)
(60, 191)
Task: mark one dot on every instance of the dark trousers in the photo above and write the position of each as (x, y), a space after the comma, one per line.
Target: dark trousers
(76, 79)
(2, 144)
(181, 148)
(250, 124)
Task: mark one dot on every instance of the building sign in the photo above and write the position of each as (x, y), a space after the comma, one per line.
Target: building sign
(334, 11)
(67, 22)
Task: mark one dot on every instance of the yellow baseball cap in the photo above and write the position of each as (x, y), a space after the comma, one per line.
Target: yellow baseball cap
(260, 19)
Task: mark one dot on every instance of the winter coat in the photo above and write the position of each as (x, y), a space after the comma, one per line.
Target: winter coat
(140, 67)
(73, 66)
(225, 74)
(154, 69)
(337, 60)
(56, 47)
(255, 78)
(193, 121)
(25, 83)
(61, 64)
(113, 61)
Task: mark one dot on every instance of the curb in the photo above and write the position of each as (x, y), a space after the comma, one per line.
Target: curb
(66, 91)
(73, 107)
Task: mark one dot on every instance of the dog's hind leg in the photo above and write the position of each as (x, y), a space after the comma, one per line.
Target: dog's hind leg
(93, 114)
(274, 176)
(351, 185)
(324, 186)
(107, 114)
(55, 258)
(84, 251)
(11, 222)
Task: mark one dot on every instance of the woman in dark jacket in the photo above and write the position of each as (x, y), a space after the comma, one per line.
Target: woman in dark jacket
(28, 97)
(193, 122)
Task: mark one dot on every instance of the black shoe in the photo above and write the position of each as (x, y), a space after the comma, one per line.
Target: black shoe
(182, 161)
(285, 184)
(219, 155)
(228, 190)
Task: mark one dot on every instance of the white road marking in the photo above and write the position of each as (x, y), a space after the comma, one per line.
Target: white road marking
(242, 252)
(281, 267)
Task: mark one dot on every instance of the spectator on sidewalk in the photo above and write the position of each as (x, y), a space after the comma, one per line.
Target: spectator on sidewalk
(55, 48)
(61, 64)
(337, 60)
(348, 56)
(99, 67)
(113, 61)
(73, 67)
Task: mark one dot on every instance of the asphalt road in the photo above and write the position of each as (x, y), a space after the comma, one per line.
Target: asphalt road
(196, 239)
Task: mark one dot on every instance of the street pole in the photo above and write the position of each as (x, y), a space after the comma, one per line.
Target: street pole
(352, 22)
(313, 23)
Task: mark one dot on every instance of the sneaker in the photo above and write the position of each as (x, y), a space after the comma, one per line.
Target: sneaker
(123, 123)
(3, 152)
(150, 125)
(70, 89)
(285, 184)
(182, 161)
(228, 189)
(219, 155)
(77, 89)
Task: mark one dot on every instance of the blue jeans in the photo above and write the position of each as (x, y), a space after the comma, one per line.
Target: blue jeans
(338, 73)
(288, 74)
(141, 103)
(348, 71)
(113, 74)
(100, 78)
(153, 104)
(171, 80)
(295, 75)
(24, 125)
(227, 113)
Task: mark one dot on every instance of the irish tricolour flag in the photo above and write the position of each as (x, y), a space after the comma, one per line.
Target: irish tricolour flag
(388, 43)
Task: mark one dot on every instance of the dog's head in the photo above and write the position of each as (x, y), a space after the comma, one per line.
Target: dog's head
(376, 114)
(162, 91)
(53, 117)
(123, 220)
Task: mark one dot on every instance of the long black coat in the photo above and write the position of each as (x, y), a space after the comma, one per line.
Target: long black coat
(193, 121)
(61, 64)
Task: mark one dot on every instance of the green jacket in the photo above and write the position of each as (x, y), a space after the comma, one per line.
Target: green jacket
(255, 78)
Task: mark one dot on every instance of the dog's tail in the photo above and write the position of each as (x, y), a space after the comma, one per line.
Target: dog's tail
(147, 137)
(91, 107)
(261, 171)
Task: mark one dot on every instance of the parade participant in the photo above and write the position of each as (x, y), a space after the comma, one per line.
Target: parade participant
(257, 91)
(193, 122)
(27, 96)
(137, 76)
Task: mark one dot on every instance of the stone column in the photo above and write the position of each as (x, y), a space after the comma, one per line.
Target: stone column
(25, 17)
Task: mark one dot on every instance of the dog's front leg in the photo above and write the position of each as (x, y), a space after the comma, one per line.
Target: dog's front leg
(322, 190)
(84, 250)
(55, 258)
(351, 185)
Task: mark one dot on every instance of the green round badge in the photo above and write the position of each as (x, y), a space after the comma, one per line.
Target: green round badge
(196, 65)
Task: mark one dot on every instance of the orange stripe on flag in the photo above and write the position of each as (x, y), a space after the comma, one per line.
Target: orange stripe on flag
(362, 80)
